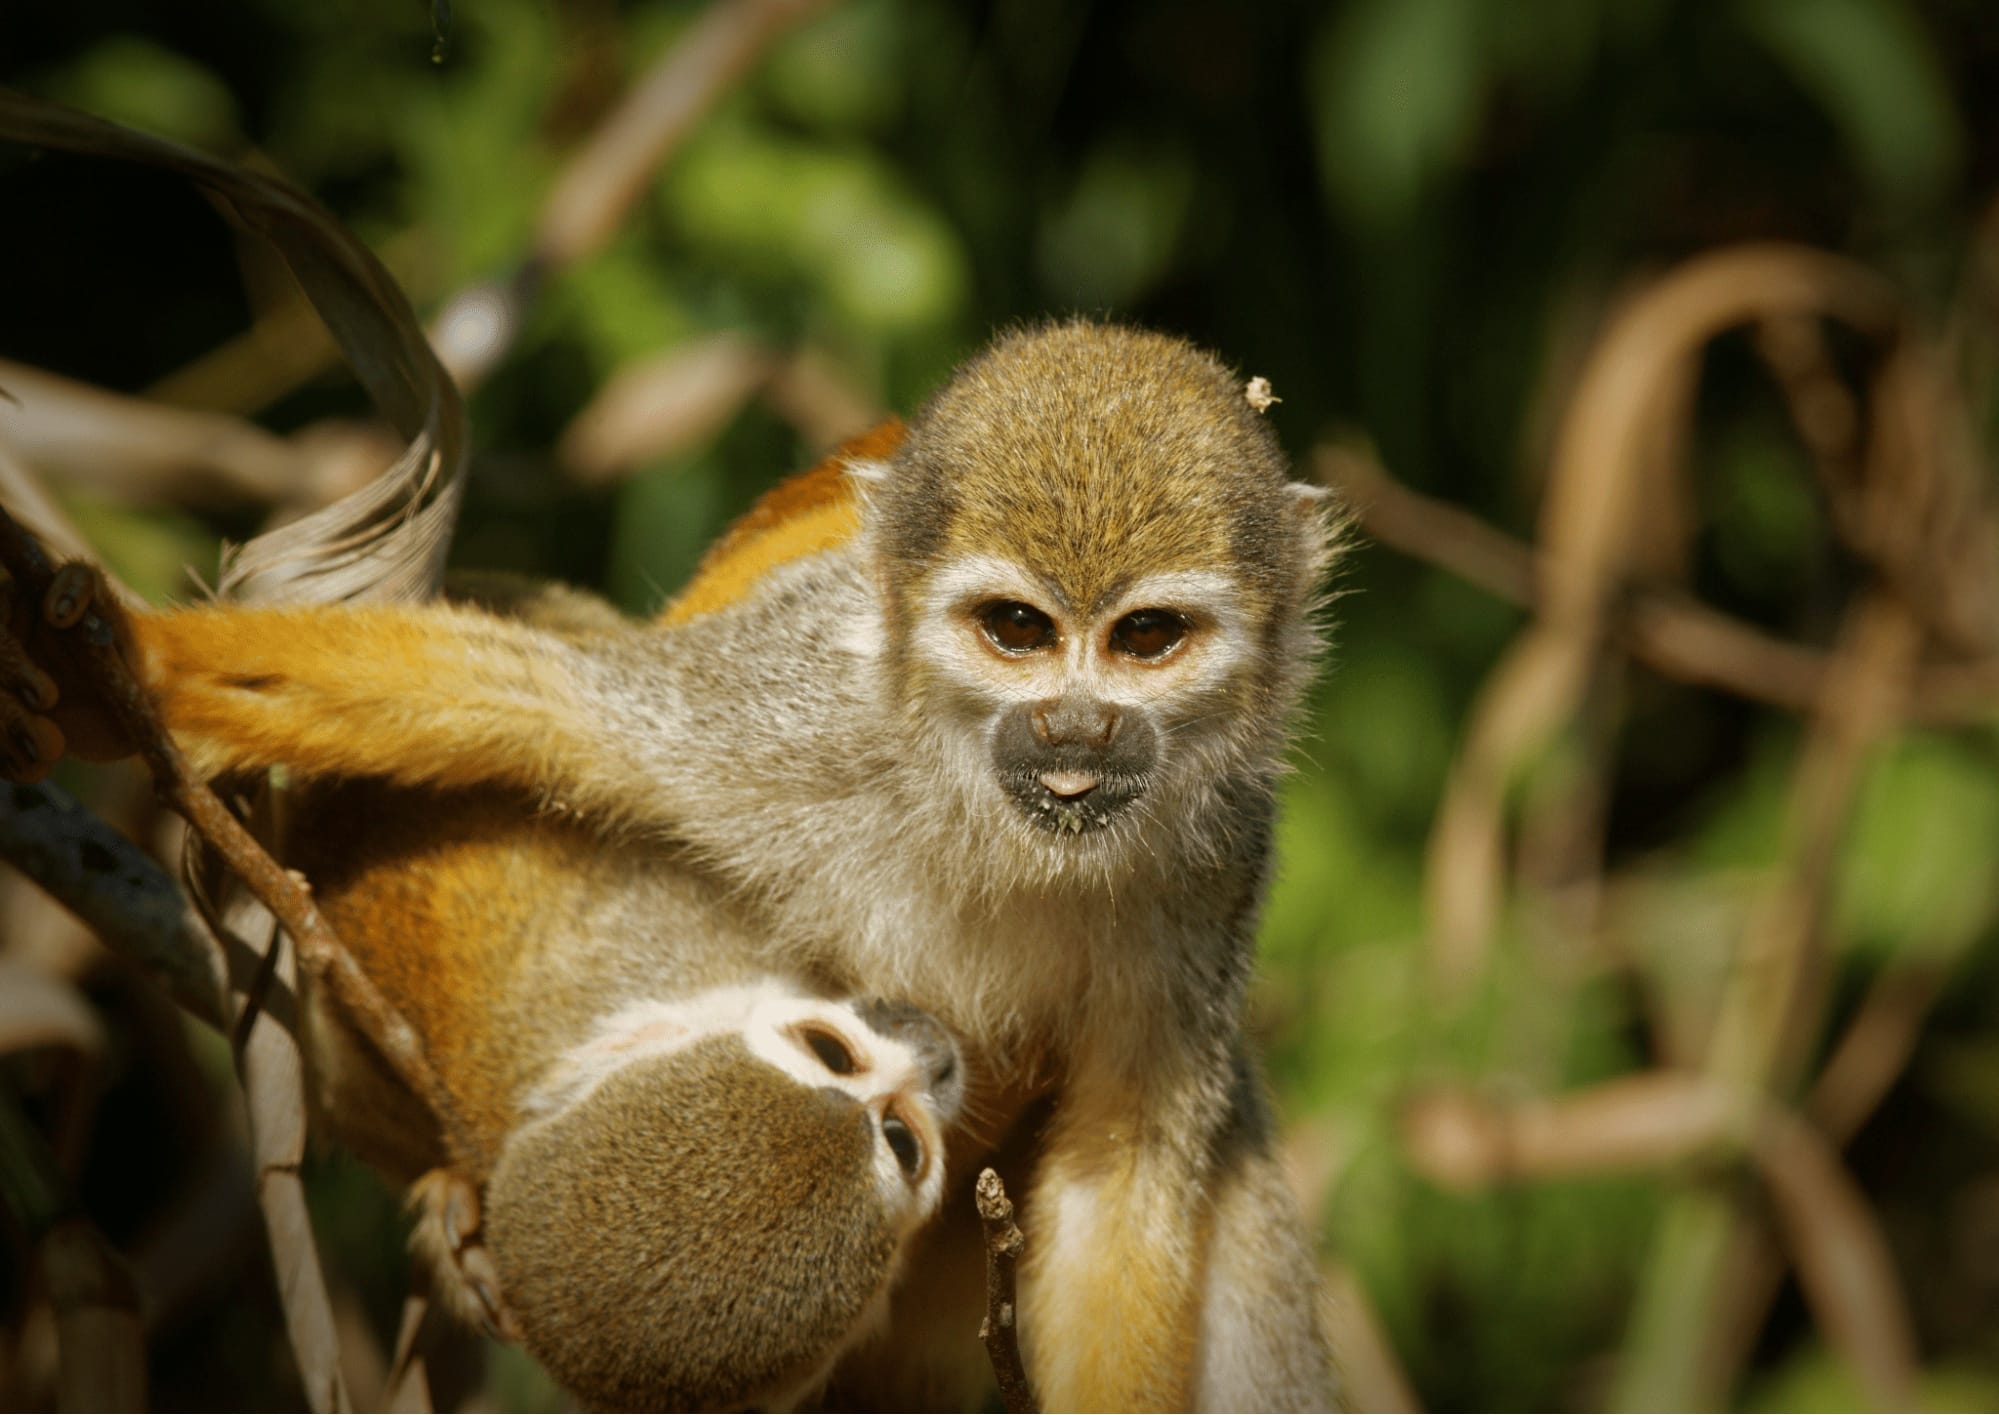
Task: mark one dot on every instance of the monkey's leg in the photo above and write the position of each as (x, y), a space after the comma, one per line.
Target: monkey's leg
(1262, 1343)
(449, 1244)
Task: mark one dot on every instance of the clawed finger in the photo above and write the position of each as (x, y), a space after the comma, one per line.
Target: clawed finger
(30, 744)
(70, 595)
(482, 1280)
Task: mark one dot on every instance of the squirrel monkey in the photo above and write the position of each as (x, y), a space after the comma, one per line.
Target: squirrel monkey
(986, 712)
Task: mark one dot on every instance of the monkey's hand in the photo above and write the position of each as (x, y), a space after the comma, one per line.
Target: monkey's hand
(52, 699)
(449, 1241)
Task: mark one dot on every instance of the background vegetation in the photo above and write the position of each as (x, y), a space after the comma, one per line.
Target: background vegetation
(1412, 216)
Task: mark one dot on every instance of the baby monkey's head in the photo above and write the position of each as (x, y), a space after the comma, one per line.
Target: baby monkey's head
(710, 1197)
(1098, 579)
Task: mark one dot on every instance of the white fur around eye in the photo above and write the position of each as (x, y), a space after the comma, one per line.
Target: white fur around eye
(640, 1030)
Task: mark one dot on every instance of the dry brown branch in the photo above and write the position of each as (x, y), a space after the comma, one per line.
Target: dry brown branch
(1874, 1049)
(23, 495)
(71, 605)
(1616, 443)
(407, 1389)
(819, 400)
(1370, 1371)
(283, 350)
(1842, 1259)
(267, 1052)
(1670, 633)
(1663, 1119)
(385, 541)
(600, 183)
(137, 450)
(662, 406)
(118, 891)
(388, 539)
(997, 1330)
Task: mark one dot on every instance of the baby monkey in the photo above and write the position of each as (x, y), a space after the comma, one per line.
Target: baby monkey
(705, 1202)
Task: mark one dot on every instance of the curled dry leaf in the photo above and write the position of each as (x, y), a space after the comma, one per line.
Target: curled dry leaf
(386, 541)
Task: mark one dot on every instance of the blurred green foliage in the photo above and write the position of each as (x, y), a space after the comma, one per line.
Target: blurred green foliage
(1407, 214)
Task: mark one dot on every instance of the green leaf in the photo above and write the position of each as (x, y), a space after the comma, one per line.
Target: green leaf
(1918, 871)
(1113, 237)
(131, 80)
(1395, 90)
(1873, 70)
(838, 219)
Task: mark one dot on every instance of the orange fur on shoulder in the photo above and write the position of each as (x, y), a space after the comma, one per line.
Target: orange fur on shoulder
(808, 513)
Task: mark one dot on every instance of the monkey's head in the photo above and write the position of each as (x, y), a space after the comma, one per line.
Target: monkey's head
(1099, 579)
(709, 1198)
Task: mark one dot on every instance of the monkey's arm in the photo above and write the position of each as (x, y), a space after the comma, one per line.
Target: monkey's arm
(1110, 1292)
(1169, 1269)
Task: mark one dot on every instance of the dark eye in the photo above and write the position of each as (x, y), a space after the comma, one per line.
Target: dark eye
(1016, 627)
(1148, 633)
(902, 1141)
(831, 1051)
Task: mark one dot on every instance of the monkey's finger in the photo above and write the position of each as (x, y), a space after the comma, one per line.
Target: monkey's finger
(70, 595)
(461, 1214)
(482, 1279)
(30, 744)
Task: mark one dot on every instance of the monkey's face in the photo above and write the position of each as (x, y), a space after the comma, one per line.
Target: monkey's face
(1097, 581)
(1083, 714)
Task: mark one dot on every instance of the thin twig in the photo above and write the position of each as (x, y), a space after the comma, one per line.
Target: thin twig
(1661, 1119)
(1664, 629)
(603, 180)
(997, 1330)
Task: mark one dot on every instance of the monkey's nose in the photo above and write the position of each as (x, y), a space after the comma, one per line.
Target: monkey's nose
(1069, 785)
(1069, 722)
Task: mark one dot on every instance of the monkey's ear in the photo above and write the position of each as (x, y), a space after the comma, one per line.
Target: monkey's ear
(1322, 521)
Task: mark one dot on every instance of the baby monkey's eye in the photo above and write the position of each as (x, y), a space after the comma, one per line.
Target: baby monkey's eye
(1148, 633)
(902, 1140)
(831, 1051)
(1015, 627)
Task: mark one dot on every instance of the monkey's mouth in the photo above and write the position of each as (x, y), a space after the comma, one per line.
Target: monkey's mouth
(1070, 801)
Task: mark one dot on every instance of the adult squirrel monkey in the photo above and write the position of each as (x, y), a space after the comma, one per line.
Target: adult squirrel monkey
(987, 713)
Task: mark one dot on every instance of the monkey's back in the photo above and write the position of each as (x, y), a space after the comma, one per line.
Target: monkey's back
(501, 928)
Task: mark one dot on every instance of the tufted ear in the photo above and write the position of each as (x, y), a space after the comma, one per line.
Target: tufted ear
(1322, 521)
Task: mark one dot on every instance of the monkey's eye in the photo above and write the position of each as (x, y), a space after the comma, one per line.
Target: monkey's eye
(1014, 627)
(902, 1141)
(1148, 633)
(831, 1051)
